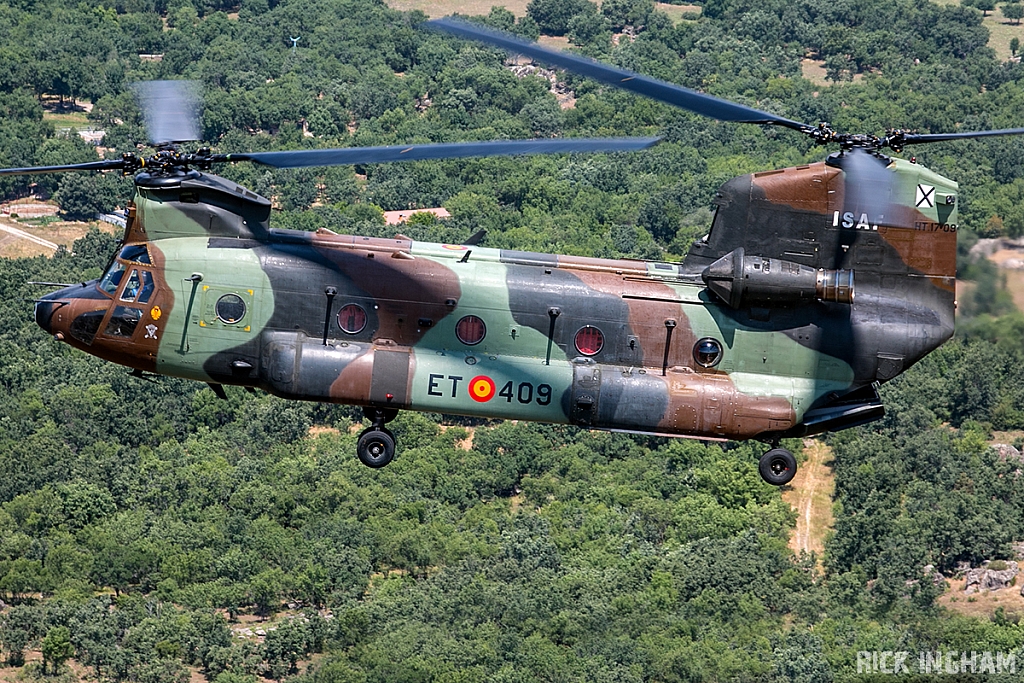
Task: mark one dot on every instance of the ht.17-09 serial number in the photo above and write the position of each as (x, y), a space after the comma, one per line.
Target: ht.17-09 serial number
(935, 227)
(482, 389)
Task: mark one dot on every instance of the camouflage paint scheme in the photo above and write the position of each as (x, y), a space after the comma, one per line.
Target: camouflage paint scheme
(789, 365)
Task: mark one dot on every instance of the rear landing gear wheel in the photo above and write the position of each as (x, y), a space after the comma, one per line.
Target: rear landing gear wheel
(376, 447)
(777, 467)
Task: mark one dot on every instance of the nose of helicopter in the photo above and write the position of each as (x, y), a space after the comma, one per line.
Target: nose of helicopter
(44, 313)
(55, 311)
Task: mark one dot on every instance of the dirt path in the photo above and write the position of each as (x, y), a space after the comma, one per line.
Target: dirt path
(19, 240)
(810, 494)
(10, 229)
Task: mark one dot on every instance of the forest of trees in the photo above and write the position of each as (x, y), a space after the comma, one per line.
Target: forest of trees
(140, 521)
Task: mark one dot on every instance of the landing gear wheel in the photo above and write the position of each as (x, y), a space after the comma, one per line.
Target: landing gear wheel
(376, 447)
(777, 467)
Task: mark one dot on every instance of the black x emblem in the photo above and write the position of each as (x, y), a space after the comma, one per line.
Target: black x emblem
(925, 196)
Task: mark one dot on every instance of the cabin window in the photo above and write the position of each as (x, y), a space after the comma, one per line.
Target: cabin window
(471, 330)
(352, 318)
(123, 321)
(589, 340)
(707, 352)
(113, 277)
(136, 253)
(230, 309)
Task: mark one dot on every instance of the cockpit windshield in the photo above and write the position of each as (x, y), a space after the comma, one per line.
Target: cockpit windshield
(136, 253)
(112, 278)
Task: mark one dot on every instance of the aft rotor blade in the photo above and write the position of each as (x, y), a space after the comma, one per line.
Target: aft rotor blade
(868, 188)
(454, 150)
(106, 165)
(171, 110)
(914, 139)
(684, 98)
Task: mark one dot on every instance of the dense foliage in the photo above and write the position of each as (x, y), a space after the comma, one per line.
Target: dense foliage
(139, 519)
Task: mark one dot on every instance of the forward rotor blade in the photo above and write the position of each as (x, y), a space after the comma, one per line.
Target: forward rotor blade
(106, 165)
(171, 110)
(915, 139)
(684, 98)
(454, 150)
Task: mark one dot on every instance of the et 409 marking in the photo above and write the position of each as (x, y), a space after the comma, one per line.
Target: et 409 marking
(482, 389)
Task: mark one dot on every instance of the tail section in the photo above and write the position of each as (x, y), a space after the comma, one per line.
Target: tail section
(861, 261)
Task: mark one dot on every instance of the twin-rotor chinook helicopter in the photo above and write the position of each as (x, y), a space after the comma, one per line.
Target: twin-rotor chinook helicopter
(814, 285)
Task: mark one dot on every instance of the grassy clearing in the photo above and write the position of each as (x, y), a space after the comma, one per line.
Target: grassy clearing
(73, 119)
(1005, 258)
(814, 71)
(1001, 32)
(441, 8)
(677, 12)
(66, 232)
(556, 42)
(1015, 286)
(985, 604)
(1006, 437)
(67, 113)
(59, 232)
(15, 247)
(810, 494)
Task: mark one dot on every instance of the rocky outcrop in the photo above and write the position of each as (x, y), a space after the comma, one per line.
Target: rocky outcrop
(990, 576)
(972, 580)
(930, 572)
(984, 248)
(1008, 452)
(996, 580)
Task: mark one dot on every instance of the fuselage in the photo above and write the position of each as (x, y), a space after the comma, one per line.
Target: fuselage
(204, 289)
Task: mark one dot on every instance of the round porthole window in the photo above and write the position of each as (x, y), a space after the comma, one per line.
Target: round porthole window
(471, 330)
(707, 352)
(352, 318)
(230, 308)
(589, 340)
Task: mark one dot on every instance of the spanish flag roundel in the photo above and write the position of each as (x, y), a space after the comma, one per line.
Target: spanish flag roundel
(481, 388)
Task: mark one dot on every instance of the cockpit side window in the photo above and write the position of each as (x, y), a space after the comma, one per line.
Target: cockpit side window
(132, 287)
(147, 286)
(112, 279)
(123, 321)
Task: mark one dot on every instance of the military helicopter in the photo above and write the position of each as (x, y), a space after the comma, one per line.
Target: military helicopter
(814, 285)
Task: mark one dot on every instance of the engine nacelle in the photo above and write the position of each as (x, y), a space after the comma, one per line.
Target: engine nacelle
(741, 280)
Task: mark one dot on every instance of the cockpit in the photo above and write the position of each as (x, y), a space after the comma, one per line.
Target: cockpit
(131, 254)
(110, 313)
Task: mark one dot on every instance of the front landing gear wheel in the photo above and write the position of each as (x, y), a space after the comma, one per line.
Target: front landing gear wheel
(777, 467)
(376, 447)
